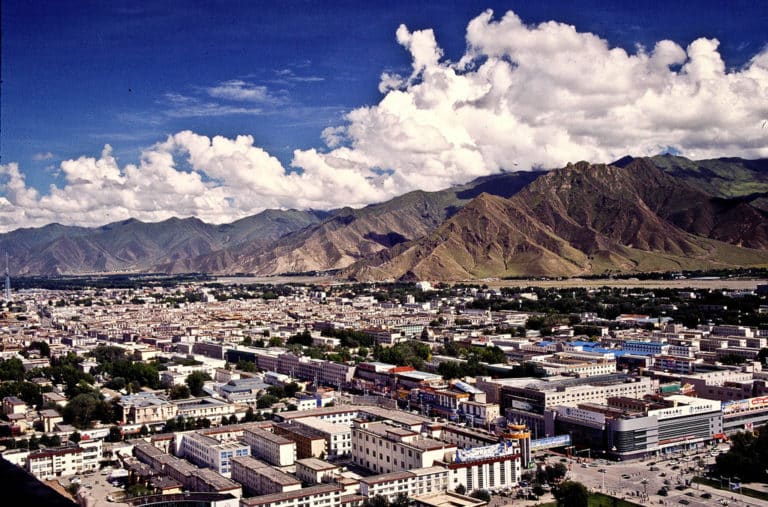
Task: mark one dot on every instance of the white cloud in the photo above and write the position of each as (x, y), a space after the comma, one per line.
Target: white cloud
(238, 90)
(521, 96)
(545, 95)
(183, 106)
(42, 156)
(216, 179)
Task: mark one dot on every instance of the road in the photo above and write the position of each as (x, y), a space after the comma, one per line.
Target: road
(636, 482)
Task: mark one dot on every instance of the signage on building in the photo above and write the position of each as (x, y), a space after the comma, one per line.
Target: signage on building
(550, 442)
(760, 402)
(485, 452)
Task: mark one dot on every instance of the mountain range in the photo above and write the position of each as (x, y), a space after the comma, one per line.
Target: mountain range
(634, 215)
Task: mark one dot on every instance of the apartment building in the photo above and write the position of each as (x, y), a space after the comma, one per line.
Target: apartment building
(315, 471)
(310, 443)
(322, 495)
(275, 449)
(209, 452)
(420, 481)
(338, 436)
(63, 461)
(258, 478)
(384, 447)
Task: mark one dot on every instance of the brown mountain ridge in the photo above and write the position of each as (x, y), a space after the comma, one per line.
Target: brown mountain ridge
(583, 219)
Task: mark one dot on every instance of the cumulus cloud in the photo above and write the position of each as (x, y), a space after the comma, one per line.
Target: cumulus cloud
(216, 179)
(524, 96)
(521, 96)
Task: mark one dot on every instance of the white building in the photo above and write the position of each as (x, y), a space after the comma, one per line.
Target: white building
(383, 447)
(272, 448)
(63, 461)
(338, 436)
(209, 452)
(420, 481)
(258, 478)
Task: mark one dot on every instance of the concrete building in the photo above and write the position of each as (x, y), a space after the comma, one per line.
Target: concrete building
(338, 436)
(258, 478)
(315, 471)
(63, 461)
(209, 452)
(274, 449)
(384, 447)
(146, 408)
(420, 481)
(310, 443)
(322, 495)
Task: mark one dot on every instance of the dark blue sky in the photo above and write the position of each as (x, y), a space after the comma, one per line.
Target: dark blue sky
(77, 75)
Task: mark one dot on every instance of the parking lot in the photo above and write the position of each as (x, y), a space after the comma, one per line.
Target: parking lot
(97, 488)
(640, 481)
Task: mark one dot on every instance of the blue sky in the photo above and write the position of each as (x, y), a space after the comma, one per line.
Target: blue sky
(80, 75)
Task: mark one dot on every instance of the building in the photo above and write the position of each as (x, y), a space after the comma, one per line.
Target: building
(384, 447)
(310, 443)
(209, 452)
(258, 478)
(315, 471)
(14, 406)
(338, 437)
(63, 461)
(274, 449)
(420, 481)
(146, 408)
(322, 495)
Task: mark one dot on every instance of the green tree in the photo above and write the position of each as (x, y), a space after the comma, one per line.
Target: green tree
(75, 437)
(266, 401)
(179, 392)
(571, 494)
(115, 435)
(460, 489)
(481, 494)
(195, 382)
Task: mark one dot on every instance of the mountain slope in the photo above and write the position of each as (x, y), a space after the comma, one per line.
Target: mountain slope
(132, 245)
(350, 235)
(583, 219)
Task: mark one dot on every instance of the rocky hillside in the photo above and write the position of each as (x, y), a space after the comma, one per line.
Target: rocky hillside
(584, 219)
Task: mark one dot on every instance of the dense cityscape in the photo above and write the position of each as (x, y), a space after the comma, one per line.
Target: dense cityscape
(338, 394)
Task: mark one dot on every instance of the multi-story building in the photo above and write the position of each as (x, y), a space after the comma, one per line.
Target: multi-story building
(338, 437)
(489, 468)
(14, 406)
(63, 461)
(258, 478)
(310, 443)
(146, 408)
(209, 452)
(314, 471)
(420, 481)
(206, 408)
(322, 495)
(274, 449)
(384, 447)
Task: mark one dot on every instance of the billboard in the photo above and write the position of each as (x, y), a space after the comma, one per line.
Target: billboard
(550, 442)
(485, 452)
